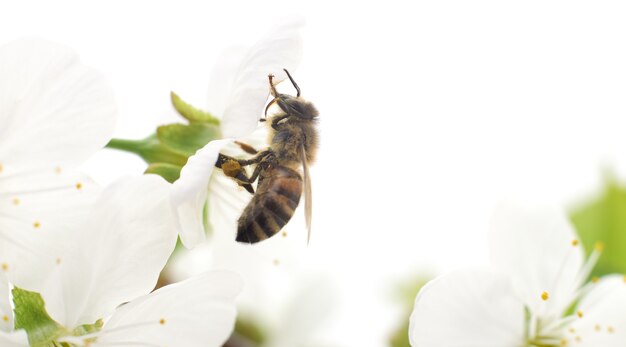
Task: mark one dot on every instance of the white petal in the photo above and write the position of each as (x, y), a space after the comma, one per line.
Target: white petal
(189, 193)
(467, 309)
(14, 339)
(222, 78)
(117, 255)
(280, 49)
(6, 311)
(196, 312)
(53, 110)
(534, 247)
(603, 322)
(35, 208)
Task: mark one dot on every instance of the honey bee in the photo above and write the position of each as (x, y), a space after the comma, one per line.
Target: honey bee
(282, 169)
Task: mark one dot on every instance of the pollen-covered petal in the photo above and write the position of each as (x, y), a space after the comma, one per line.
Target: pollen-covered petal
(603, 322)
(467, 309)
(280, 48)
(14, 339)
(189, 193)
(536, 247)
(116, 255)
(53, 110)
(199, 311)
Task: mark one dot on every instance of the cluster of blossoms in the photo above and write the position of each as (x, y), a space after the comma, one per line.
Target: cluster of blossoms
(78, 261)
(537, 293)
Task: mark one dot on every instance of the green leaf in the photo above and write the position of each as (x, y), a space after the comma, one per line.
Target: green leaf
(168, 171)
(603, 219)
(191, 113)
(187, 139)
(150, 150)
(31, 315)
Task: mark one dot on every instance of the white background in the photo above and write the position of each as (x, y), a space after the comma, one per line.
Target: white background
(430, 114)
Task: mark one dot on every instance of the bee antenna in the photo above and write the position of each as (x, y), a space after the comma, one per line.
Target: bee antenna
(269, 105)
(293, 82)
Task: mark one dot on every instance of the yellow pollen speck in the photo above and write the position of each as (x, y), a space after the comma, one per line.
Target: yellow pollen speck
(5, 318)
(545, 296)
(594, 279)
(610, 329)
(572, 330)
(579, 314)
(599, 246)
(16, 201)
(36, 225)
(624, 278)
(574, 242)
(597, 327)
(5, 267)
(79, 185)
(563, 342)
(162, 321)
(284, 234)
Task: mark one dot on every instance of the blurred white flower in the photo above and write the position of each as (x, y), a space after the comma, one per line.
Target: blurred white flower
(54, 113)
(535, 295)
(116, 258)
(239, 90)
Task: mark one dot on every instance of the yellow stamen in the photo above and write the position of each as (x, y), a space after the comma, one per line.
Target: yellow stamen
(57, 170)
(610, 329)
(36, 225)
(597, 327)
(58, 260)
(284, 234)
(594, 279)
(574, 242)
(579, 314)
(563, 342)
(162, 321)
(545, 296)
(599, 246)
(16, 201)
(5, 318)
(79, 185)
(5, 267)
(276, 262)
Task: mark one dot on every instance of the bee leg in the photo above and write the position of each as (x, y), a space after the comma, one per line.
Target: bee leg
(277, 120)
(247, 148)
(272, 87)
(256, 159)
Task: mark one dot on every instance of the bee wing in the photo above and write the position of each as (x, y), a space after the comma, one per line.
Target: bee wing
(308, 197)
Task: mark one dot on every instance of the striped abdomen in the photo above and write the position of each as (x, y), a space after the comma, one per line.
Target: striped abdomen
(272, 206)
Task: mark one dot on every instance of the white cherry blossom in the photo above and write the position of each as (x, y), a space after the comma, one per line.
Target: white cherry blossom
(54, 113)
(536, 293)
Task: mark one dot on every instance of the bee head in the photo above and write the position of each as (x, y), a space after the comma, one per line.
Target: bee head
(291, 105)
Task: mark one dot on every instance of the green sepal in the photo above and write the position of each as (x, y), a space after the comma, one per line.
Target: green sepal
(31, 315)
(604, 220)
(406, 293)
(192, 114)
(150, 150)
(169, 172)
(88, 328)
(249, 330)
(187, 139)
